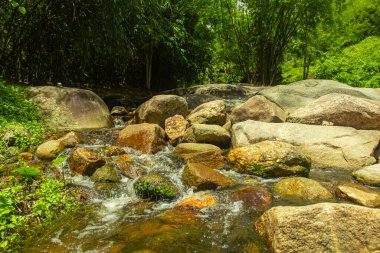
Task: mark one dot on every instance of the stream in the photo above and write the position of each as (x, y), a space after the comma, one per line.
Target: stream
(116, 220)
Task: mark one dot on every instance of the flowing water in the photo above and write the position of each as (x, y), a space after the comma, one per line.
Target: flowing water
(116, 220)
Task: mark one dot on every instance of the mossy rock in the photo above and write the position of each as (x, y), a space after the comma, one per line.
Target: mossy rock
(155, 187)
(106, 174)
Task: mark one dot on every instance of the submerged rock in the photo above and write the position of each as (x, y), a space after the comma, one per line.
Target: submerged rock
(211, 113)
(126, 167)
(258, 108)
(155, 187)
(147, 138)
(198, 201)
(106, 174)
(211, 159)
(204, 178)
(85, 162)
(269, 159)
(368, 175)
(188, 148)
(159, 108)
(302, 189)
(175, 128)
(328, 146)
(324, 227)
(254, 198)
(359, 194)
(211, 134)
(71, 139)
(49, 150)
(114, 151)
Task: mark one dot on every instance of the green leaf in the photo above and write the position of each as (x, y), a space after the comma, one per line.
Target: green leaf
(59, 160)
(14, 3)
(22, 10)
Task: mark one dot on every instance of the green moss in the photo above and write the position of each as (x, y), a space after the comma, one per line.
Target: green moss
(155, 187)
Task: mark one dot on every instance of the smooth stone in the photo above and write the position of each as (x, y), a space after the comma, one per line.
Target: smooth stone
(369, 175)
(84, 162)
(211, 134)
(254, 198)
(106, 174)
(127, 168)
(187, 148)
(212, 159)
(198, 201)
(211, 113)
(71, 139)
(359, 194)
(49, 150)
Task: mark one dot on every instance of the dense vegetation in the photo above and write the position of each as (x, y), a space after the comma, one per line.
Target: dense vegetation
(163, 44)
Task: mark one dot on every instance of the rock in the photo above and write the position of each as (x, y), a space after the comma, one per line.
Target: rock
(329, 147)
(188, 148)
(340, 110)
(254, 198)
(211, 159)
(258, 108)
(71, 139)
(293, 96)
(119, 111)
(211, 113)
(106, 174)
(70, 109)
(359, 194)
(85, 162)
(211, 134)
(204, 178)
(198, 201)
(368, 175)
(49, 150)
(155, 187)
(147, 138)
(323, 227)
(25, 156)
(269, 159)
(302, 189)
(126, 167)
(12, 133)
(159, 108)
(175, 128)
(114, 151)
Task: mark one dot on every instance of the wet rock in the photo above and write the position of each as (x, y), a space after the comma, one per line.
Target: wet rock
(106, 174)
(85, 162)
(269, 159)
(198, 201)
(188, 148)
(119, 111)
(258, 108)
(302, 189)
(175, 128)
(254, 198)
(155, 187)
(204, 178)
(26, 156)
(114, 151)
(211, 159)
(70, 108)
(211, 134)
(71, 139)
(359, 194)
(340, 110)
(147, 138)
(49, 150)
(368, 175)
(126, 167)
(329, 147)
(211, 113)
(159, 108)
(324, 227)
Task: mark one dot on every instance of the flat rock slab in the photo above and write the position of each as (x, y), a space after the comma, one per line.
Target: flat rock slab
(328, 146)
(359, 194)
(368, 175)
(324, 227)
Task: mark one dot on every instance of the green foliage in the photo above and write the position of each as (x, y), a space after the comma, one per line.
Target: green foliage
(59, 160)
(27, 172)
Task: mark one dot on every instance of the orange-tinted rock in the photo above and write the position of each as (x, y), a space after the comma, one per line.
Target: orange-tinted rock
(204, 178)
(71, 139)
(212, 159)
(114, 151)
(26, 156)
(125, 165)
(175, 128)
(85, 162)
(359, 194)
(254, 198)
(198, 201)
(147, 138)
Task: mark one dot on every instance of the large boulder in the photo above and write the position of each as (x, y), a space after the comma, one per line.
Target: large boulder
(188, 148)
(84, 162)
(269, 159)
(328, 146)
(69, 108)
(258, 108)
(302, 189)
(296, 95)
(175, 128)
(359, 194)
(155, 187)
(324, 227)
(147, 138)
(368, 175)
(159, 108)
(341, 110)
(202, 177)
(211, 134)
(212, 113)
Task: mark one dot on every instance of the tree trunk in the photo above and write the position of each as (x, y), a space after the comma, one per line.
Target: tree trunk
(148, 66)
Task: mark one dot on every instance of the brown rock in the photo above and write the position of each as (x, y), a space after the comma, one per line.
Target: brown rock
(71, 139)
(254, 198)
(85, 162)
(26, 156)
(175, 128)
(359, 194)
(204, 178)
(198, 201)
(212, 113)
(114, 151)
(147, 138)
(211, 134)
(211, 159)
(187, 148)
(258, 108)
(49, 150)
(125, 164)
